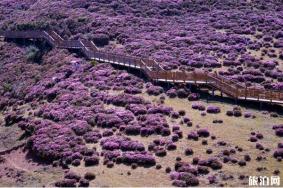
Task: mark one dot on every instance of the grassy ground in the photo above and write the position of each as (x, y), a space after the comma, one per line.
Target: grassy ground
(235, 131)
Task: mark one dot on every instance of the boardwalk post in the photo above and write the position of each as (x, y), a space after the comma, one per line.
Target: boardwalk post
(194, 77)
(245, 91)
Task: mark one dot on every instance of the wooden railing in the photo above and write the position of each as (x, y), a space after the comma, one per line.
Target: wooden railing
(152, 69)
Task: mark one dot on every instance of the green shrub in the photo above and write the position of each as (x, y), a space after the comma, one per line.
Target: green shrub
(7, 87)
(33, 54)
(93, 62)
(32, 25)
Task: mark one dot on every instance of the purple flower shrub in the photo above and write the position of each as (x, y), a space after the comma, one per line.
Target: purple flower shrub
(122, 143)
(198, 106)
(92, 136)
(193, 97)
(123, 150)
(194, 135)
(278, 130)
(125, 99)
(125, 115)
(223, 36)
(203, 133)
(108, 120)
(172, 93)
(213, 109)
(187, 174)
(249, 115)
(72, 111)
(159, 146)
(69, 100)
(160, 109)
(132, 90)
(91, 160)
(66, 183)
(133, 129)
(278, 153)
(137, 109)
(154, 90)
(80, 127)
(154, 124)
(53, 141)
(141, 158)
(237, 112)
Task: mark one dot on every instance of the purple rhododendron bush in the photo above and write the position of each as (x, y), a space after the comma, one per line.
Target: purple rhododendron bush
(66, 122)
(241, 40)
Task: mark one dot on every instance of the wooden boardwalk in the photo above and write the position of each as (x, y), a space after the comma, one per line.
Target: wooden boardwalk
(152, 69)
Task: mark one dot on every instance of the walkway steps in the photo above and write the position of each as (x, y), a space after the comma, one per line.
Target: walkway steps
(152, 69)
